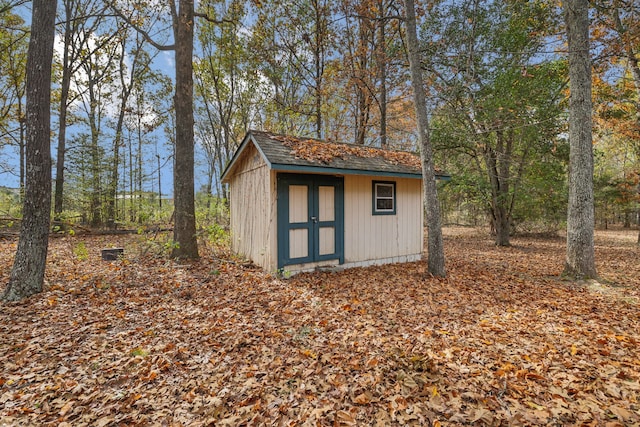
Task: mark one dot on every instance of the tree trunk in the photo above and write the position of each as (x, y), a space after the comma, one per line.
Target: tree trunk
(319, 58)
(112, 190)
(435, 245)
(65, 86)
(185, 217)
(95, 199)
(159, 179)
(580, 259)
(499, 169)
(22, 154)
(27, 274)
(139, 134)
(132, 180)
(382, 70)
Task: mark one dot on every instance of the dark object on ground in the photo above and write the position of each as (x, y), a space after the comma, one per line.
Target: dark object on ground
(112, 254)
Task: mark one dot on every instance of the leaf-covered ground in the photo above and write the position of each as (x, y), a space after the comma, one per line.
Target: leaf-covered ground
(500, 341)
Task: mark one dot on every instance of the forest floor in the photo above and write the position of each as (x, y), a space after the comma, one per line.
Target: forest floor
(501, 341)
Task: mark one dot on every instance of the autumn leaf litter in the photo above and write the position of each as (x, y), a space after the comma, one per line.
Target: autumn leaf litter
(501, 341)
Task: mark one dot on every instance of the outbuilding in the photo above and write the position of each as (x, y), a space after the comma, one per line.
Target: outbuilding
(297, 203)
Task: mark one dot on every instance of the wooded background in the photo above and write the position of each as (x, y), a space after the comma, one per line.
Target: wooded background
(495, 73)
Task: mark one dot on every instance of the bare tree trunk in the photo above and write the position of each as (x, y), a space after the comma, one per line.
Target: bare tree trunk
(435, 243)
(62, 132)
(185, 218)
(139, 155)
(22, 154)
(382, 71)
(580, 260)
(112, 191)
(499, 169)
(319, 63)
(132, 180)
(95, 199)
(27, 274)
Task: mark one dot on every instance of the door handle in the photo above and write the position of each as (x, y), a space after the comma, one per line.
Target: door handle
(314, 219)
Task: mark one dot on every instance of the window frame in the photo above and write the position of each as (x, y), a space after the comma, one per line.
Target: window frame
(375, 198)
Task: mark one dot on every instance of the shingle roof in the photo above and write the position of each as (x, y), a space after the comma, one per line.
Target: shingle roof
(284, 152)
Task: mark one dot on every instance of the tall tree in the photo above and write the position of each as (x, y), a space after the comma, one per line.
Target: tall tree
(496, 95)
(27, 274)
(359, 47)
(184, 192)
(81, 21)
(141, 111)
(184, 231)
(580, 256)
(368, 44)
(97, 81)
(228, 89)
(294, 41)
(435, 244)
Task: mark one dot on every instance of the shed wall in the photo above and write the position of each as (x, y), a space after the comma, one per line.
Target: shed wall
(372, 239)
(250, 200)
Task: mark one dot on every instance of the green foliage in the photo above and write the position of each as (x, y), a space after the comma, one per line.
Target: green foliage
(283, 273)
(170, 245)
(541, 206)
(229, 92)
(615, 189)
(13, 58)
(215, 234)
(498, 114)
(464, 198)
(10, 205)
(302, 334)
(138, 351)
(212, 216)
(210, 210)
(80, 251)
(157, 245)
(291, 44)
(63, 223)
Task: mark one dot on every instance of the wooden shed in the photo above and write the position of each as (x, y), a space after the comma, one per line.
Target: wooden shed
(298, 203)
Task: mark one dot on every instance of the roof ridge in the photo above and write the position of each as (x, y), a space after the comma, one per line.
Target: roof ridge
(277, 136)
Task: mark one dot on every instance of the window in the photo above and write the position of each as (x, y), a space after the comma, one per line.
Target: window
(384, 198)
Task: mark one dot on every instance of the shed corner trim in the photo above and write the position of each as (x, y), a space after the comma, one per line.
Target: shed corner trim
(249, 138)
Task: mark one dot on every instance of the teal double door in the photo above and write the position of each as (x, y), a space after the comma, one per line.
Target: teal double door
(310, 219)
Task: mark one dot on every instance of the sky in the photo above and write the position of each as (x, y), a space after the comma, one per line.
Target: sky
(163, 62)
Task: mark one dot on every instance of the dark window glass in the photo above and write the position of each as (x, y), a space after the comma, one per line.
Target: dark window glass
(384, 204)
(384, 198)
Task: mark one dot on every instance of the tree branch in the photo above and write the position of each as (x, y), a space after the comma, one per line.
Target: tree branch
(141, 31)
(4, 8)
(211, 20)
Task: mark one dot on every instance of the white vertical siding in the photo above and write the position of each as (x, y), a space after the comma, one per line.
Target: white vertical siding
(367, 238)
(271, 262)
(371, 237)
(250, 202)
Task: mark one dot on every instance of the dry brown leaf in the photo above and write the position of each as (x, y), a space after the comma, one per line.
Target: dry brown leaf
(343, 418)
(363, 398)
(156, 342)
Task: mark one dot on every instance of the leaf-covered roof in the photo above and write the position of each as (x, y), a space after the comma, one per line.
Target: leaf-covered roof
(285, 152)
